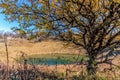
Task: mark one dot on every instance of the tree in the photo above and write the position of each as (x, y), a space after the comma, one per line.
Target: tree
(91, 24)
(20, 31)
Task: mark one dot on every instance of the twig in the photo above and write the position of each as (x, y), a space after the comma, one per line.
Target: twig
(7, 56)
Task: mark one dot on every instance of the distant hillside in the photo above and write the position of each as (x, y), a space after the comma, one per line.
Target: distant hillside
(15, 47)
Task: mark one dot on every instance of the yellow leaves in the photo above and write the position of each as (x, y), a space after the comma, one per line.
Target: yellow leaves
(21, 10)
(41, 1)
(73, 6)
(117, 1)
(20, 18)
(11, 10)
(4, 5)
(38, 25)
(44, 2)
(54, 3)
(35, 17)
(96, 5)
(117, 37)
(58, 11)
(47, 26)
(27, 18)
(107, 36)
(21, 32)
(42, 32)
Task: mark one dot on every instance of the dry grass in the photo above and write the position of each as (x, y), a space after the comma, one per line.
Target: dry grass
(45, 47)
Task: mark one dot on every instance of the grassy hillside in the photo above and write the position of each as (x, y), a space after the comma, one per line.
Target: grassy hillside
(17, 47)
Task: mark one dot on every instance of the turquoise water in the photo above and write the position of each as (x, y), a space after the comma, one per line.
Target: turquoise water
(51, 61)
(54, 59)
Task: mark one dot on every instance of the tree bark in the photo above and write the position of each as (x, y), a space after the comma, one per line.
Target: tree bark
(92, 65)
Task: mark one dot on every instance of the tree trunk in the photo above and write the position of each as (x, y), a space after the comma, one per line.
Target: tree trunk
(92, 66)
